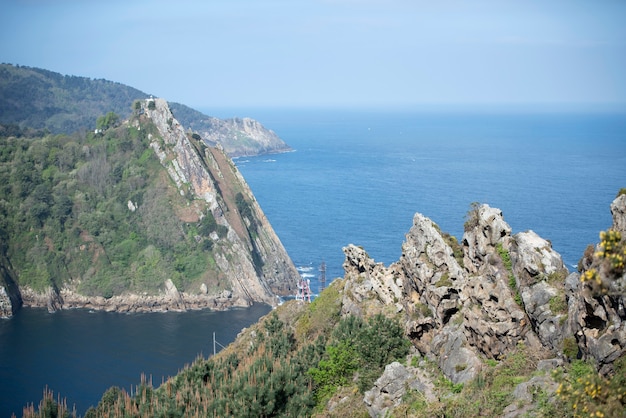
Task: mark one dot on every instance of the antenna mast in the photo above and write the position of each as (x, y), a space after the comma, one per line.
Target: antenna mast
(322, 276)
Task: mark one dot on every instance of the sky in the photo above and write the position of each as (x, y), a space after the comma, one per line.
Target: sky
(336, 53)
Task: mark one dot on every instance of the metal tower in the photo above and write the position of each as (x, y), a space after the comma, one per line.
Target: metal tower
(322, 276)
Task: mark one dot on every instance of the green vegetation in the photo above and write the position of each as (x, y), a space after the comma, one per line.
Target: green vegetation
(41, 99)
(471, 217)
(99, 209)
(508, 265)
(268, 379)
(584, 393)
(357, 345)
(300, 356)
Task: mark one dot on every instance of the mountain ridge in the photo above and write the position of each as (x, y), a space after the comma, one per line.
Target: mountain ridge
(43, 99)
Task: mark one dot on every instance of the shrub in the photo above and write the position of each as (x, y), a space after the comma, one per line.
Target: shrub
(471, 217)
(583, 392)
(570, 347)
(558, 304)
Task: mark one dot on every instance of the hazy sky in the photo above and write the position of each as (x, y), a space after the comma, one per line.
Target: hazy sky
(330, 52)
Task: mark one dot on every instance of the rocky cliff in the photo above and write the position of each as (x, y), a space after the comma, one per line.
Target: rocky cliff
(465, 303)
(237, 136)
(255, 260)
(10, 297)
(159, 222)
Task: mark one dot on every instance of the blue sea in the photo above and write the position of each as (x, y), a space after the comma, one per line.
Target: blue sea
(359, 177)
(354, 177)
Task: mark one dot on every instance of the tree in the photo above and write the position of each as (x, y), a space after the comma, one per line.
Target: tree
(107, 121)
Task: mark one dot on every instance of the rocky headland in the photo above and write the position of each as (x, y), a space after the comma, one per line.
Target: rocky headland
(35, 98)
(250, 263)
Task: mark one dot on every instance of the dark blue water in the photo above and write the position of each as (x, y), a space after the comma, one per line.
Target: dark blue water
(80, 354)
(358, 177)
(355, 177)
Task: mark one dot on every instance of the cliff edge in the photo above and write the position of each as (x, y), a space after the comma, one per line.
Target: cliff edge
(138, 216)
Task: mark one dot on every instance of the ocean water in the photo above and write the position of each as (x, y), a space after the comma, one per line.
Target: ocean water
(354, 177)
(359, 177)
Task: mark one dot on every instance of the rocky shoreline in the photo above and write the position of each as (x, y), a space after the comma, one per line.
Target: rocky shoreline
(171, 300)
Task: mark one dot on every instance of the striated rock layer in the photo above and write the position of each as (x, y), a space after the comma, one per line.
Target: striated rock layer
(250, 258)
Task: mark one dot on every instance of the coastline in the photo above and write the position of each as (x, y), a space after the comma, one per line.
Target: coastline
(67, 299)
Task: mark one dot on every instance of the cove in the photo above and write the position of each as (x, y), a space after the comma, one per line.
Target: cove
(79, 354)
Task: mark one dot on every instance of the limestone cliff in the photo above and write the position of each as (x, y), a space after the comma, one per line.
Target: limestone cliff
(504, 290)
(255, 261)
(218, 249)
(237, 136)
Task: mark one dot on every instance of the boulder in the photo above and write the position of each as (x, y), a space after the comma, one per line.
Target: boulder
(391, 386)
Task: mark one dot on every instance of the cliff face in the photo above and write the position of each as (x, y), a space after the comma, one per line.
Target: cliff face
(152, 220)
(10, 296)
(237, 136)
(254, 260)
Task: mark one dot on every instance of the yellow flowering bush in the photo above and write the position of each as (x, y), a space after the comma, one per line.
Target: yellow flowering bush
(605, 274)
(612, 248)
(584, 393)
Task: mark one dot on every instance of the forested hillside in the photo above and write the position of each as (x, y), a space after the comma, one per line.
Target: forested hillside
(138, 207)
(101, 209)
(42, 99)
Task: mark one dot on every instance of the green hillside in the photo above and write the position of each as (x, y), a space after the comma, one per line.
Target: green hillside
(42, 99)
(101, 211)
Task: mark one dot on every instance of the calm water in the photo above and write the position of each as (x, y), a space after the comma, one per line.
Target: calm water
(80, 354)
(359, 177)
(355, 177)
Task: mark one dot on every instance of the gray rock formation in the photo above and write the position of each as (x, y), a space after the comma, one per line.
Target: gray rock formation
(510, 289)
(597, 307)
(255, 261)
(237, 136)
(393, 384)
(540, 276)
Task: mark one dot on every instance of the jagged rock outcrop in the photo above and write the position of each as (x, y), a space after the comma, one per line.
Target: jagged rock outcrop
(540, 276)
(509, 289)
(597, 304)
